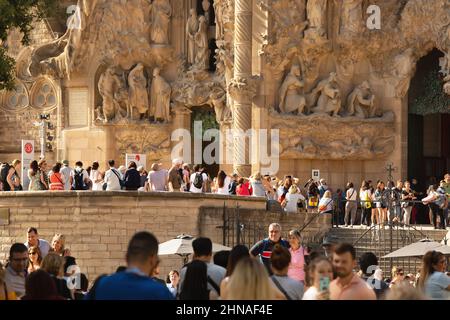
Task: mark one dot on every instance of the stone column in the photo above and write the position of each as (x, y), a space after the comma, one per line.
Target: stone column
(240, 87)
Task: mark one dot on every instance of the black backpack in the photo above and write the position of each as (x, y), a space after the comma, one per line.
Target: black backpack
(78, 181)
(198, 181)
(4, 169)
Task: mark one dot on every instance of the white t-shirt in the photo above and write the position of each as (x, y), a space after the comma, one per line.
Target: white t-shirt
(193, 188)
(66, 171)
(326, 202)
(112, 180)
(291, 201)
(226, 184)
(95, 175)
(351, 194)
(310, 294)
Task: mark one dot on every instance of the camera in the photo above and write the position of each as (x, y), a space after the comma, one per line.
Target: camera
(44, 116)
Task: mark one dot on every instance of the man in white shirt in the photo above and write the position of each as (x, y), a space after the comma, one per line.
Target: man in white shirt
(112, 178)
(34, 241)
(66, 170)
(197, 188)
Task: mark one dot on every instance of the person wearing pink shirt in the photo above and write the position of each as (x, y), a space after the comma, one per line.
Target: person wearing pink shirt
(298, 252)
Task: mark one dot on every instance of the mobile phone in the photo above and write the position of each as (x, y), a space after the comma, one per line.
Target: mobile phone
(324, 284)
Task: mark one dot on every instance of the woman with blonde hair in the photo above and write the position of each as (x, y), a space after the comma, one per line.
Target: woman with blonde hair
(58, 243)
(35, 259)
(53, 264)
(250, 281)
(298, 252)
(291, 200)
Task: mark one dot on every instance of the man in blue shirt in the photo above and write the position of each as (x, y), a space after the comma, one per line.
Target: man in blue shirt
(135, 283)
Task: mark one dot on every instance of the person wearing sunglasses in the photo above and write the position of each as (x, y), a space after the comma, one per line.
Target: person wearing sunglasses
(399, 276)
(35, 259)
(16, 273)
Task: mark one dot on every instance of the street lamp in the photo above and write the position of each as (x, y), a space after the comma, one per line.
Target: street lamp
(42, 134)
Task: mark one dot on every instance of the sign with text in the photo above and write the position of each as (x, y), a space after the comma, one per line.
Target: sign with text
(27, 157)
(139, 159)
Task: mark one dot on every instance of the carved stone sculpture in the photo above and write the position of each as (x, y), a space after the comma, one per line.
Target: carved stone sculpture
(191, 30)
(161, 12)
(218, 11)
(360, 102)
(351, 17)
(138, 91)
(201, 41)
(206, 5)
(160, 97)
(108, 85)
(447, 85)
(291, 98)
(218, 101)
(404, 67)
(330, 96)
(316, 13)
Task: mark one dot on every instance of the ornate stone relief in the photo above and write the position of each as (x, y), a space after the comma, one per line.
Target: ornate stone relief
(144, 138)
(40, 95)
(326, 98)
(131, 95)
(344, 138)
(140, 35)
(197, 88)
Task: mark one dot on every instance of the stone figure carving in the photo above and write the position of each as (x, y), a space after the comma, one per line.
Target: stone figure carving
(218, 101)
(330, 96)
(218, 11)
(201, 41)
(160, 13)
(360, 102)
(291, 98)
(351, 17)
(447, 85)
(138, 91)
(316, 14)
(108, 85)
(191, 29)
(206, 5)
(160, 97)
(404, 67)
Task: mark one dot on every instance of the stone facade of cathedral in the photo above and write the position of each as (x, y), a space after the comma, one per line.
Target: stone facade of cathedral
(121, 76)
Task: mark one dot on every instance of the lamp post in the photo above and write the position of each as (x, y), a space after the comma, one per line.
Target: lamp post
(42, 134)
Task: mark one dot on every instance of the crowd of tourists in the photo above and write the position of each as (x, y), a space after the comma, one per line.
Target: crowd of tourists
(373, 203)
(272, 269)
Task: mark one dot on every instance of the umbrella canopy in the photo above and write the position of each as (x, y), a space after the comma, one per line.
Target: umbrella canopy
(182, 245)
(419, 249)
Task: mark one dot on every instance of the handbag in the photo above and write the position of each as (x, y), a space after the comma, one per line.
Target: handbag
(312, 201)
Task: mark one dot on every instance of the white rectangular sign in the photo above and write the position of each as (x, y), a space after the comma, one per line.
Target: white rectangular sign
(139, 159)
(315, 174)
(27, 158)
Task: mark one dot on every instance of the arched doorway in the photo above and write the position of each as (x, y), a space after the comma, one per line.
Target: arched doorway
(205, 117)
(428, 123)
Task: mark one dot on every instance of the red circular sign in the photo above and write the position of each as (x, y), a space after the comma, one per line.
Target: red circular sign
(28, 148)
(138, 158)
